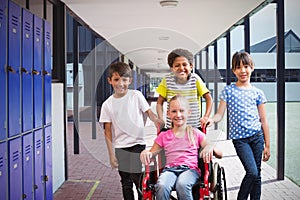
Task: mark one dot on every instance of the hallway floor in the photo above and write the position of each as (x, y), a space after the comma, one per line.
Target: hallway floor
(91, 177)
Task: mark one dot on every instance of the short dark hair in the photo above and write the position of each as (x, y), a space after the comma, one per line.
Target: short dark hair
(241, 56)
(178, 53)
(123, 69)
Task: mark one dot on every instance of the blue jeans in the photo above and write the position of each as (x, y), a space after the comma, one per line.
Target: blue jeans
(181, 178)
(249, 150)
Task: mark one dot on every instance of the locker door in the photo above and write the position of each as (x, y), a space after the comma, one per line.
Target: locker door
(140, 83)
(47, 72)
(28, 166)
(48, 162)
(15, 169)
(14, 45)
(3, 171)
(135, 80)
(3, 39)
(38, 165)
(37, 71)
(27, 62)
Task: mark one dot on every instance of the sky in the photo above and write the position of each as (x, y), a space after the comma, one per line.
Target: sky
(264, 22)
(262, 27)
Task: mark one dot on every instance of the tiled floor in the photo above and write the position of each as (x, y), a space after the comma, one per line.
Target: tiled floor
(90, 175)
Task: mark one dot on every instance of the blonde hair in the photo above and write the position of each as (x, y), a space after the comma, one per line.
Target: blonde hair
(189, 129)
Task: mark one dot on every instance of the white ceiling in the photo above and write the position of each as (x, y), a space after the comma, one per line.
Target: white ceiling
(145, 32)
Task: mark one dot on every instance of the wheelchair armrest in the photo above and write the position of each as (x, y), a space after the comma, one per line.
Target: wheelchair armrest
(206, 174)
(147, 186)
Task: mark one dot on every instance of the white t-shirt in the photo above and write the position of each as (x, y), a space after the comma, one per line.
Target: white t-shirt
(126, 116)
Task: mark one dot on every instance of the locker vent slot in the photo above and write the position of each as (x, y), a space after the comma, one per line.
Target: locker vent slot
(48, 35)
(27, 26)
(1, 14)
(15, 155)
(15, 20)
(27, 149)
(38, 144)
(1, 161)
(48, 139)
(38, 31)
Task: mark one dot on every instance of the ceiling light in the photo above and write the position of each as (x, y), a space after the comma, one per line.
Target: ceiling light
(169, 3)
(163, 38)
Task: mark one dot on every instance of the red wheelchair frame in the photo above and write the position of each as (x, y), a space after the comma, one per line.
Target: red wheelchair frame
(209, 188)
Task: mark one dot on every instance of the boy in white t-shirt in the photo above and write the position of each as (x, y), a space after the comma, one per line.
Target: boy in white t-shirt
(122, 116)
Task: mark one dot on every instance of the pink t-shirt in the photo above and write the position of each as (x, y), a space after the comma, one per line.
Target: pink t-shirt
(179, 151)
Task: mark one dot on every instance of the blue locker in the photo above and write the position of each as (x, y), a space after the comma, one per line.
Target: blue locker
(27, 63)
(3, 171)
(47, 72)
(15, 169)
(14, 62)
(135, 80)
(28, 166)
(3, 39)
(140, 83)
(38, 165)
(48, 162)
(37, 71)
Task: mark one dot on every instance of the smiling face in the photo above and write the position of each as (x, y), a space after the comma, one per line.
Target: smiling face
(243, 72)
(120, 84)
(178, 111)
(181, 68)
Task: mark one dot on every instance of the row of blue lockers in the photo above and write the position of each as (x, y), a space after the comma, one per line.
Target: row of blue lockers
(25, 70)
(26, 166)
(25, 104)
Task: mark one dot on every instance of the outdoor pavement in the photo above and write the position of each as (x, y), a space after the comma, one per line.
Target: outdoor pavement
(91, 177)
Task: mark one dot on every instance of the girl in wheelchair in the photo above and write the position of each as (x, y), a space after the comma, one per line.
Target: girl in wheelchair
(181, 144)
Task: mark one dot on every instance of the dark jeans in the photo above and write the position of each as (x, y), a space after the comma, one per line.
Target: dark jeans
(130, 170)
(249, 150)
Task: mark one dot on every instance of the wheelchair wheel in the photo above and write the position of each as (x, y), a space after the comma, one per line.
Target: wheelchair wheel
(218, 185)
(223, 182)
(214, 184)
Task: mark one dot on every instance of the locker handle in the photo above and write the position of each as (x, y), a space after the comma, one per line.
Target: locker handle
(34, 72)
(35, 187)
(46, 178)
(11, 69)
(24, 196)
(23, 70)
(46, 73)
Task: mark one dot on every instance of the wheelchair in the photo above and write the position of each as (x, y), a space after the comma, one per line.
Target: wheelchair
(211, 185)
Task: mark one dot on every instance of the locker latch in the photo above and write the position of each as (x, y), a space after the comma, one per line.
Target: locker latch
(46, 73)
(35, 72)
(11, 69)
(46, 178)
(23, 70)
(24, 196)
